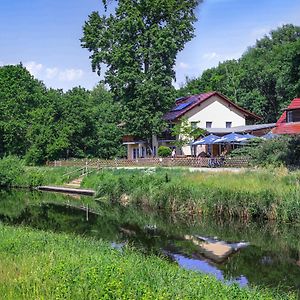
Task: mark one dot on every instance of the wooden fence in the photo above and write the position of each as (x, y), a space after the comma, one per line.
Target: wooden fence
(155, 162)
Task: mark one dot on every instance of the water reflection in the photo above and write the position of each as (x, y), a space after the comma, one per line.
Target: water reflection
(271, 259)
(206, 267)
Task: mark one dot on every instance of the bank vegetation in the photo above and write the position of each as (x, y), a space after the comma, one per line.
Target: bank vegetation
(271, 194)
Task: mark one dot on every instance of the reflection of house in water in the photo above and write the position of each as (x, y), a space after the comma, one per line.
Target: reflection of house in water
(203, 248)
(213, 249)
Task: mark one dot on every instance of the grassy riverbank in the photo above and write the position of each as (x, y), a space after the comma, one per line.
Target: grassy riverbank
(14, 173)
(265, 194)
(41, 265)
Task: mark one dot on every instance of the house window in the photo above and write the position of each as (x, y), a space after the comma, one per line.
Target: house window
(194, 125)
(293, 116)
(296, 115)
(228, 124)
(289, 117)
(208, 124)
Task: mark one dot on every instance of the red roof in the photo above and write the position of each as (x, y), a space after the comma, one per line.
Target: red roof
(295, 104)
(287, 128)
(196, 100)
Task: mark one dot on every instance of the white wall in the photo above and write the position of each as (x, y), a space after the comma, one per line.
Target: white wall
(217, 111)
(137, 147)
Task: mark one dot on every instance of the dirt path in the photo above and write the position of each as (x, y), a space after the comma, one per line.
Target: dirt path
(75, 183)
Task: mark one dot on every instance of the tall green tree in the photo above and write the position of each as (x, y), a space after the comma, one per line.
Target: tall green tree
(139, 44)
(106, 141)
(20, 93)
(44, 137)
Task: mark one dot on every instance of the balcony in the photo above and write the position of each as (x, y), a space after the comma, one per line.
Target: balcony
(166, 136)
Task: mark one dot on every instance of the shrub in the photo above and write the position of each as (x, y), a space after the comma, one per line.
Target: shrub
(33, 178)
(271, 152)
(284, 150)
(292, 157)
(35, 156)
(10, 169)
(164, 151)
(247, 150)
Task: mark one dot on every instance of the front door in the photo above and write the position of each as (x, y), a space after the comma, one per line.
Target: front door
(135, 153)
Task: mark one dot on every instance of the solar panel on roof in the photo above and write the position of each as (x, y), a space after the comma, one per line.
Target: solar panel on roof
(180, 98)
(183, 105)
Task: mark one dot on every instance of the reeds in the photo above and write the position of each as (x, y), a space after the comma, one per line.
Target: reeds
(261, 194)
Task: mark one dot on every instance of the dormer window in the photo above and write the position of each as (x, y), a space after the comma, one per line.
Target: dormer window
(293, 116)
(289, 117)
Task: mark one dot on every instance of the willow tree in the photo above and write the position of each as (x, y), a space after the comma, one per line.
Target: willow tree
(138, 45)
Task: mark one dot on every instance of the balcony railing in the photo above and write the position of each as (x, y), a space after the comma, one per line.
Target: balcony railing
(167, 135)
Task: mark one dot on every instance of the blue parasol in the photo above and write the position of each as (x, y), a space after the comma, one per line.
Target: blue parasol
(208, 140)
(230, 138)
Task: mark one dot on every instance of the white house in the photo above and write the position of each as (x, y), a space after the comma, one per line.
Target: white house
(207, 111)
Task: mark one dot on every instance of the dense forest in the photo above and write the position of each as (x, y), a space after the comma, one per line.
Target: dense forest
(42, 124)
(264, 80)
(45, 124)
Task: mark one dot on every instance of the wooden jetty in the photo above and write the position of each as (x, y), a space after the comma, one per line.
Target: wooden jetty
(67, 190)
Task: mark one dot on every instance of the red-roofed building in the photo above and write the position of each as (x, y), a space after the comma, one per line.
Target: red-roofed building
(207, 111)
(289, 122)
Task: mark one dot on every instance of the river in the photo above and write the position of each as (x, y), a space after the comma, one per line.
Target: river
(254, 254)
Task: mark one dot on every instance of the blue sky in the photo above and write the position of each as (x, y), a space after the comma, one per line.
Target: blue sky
(44, 35)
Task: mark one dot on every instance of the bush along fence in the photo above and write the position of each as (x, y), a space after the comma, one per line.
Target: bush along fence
(156, 162)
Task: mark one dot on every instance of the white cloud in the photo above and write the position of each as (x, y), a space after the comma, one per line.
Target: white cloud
(33, 67)
(51, 73)
(64, 75)
(58, 77)
(264, 30)
(38, 70)
(260, 32)
(70, 74)
(210, 56)
(183, 66)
